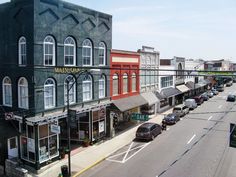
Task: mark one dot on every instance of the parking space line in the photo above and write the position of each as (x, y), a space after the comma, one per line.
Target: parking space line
(127, 151)
(220, 106)
(191, 139)
(210, 118)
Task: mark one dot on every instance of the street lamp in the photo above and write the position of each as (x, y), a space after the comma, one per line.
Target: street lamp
(69, 117)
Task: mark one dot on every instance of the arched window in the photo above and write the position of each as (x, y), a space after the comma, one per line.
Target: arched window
(22, 51)
(72, 92)
(87, 88)
(115, 84)
(23, 98)
(49, 51)
(49, 93)
(7, 91)
(125, 83)
(102, 87)
(102, 53)
(70, 52)
(87, 53)
(134, 82)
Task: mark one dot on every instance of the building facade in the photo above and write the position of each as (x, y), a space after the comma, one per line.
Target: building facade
(54, 53)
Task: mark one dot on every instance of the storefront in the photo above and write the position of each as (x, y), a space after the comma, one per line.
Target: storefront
(170, 93)
(122, 109)
(153, 102)
(184, 94)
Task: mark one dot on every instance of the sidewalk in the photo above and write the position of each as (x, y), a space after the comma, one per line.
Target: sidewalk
(85, 158)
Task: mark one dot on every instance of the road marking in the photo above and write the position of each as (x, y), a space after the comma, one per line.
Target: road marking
(191, 139)
(210, 118)
(220, 106)
(128, 151)
(167, 129)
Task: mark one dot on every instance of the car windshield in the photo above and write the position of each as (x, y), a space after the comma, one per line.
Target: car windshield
(143, 129)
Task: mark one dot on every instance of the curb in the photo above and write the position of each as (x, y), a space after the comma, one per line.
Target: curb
(90, 166)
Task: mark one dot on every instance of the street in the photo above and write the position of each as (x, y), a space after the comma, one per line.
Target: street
(197, 146)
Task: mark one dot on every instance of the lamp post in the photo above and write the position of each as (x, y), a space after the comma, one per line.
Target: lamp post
(68, 88)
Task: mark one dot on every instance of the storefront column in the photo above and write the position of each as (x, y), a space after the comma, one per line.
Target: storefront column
(37, 164)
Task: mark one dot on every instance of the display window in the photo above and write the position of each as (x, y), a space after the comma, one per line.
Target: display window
(83, 125)
(99, 124)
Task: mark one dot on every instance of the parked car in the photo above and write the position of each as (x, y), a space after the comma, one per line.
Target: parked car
(205, 96)
(231, 97)
(148, 131)
(181, 110)
(215, 92)
(220, 88)
(199, 99)
(228, 84)
(190, 103)
(171, 119)
(210, 94)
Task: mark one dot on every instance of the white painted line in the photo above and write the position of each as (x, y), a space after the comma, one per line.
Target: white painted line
(191, 139)
(136, 152)
(128, 151)
(167, 129)
(210, 118)
(220, 106)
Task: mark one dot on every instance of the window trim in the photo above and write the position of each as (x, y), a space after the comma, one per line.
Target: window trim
(22, 41)
(88, 79)
(125, 76)
(27, 93)
(54, 93)
(90, 46)
(3, 91)
(104, 53)
(115, 77)
(134, 76)
(103, 79)
(53, 43)
(74, 51)
(65, 89)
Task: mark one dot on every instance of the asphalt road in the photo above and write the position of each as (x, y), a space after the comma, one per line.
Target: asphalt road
(197, 146)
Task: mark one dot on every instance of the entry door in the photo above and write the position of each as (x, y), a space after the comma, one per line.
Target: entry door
(170, 101)
(12, 147)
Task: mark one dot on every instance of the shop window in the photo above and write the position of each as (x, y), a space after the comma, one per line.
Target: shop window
(83, 125)
(99, 124)
(164, 103)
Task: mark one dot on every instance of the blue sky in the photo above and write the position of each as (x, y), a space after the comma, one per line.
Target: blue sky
(189, 28)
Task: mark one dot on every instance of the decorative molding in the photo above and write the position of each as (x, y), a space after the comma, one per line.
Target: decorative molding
(71, 19)
(47, 12)
(88, 24)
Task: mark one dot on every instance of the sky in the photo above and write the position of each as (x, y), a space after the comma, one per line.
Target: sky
(196, 29)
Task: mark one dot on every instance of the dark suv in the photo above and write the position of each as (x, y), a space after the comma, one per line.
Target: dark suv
(148, 131)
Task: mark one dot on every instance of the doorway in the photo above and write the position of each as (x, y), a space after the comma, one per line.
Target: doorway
(12, 145)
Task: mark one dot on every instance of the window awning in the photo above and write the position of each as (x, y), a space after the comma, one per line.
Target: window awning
(159, 96)
(150, 98)
(191, 86)
(168, 92)
(128, 103)
(182, 88)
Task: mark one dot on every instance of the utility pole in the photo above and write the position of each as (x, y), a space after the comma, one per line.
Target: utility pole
(68, 126)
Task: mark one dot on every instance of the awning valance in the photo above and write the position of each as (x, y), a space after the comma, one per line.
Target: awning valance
(182, 88)
(150, 97)
(128, 103)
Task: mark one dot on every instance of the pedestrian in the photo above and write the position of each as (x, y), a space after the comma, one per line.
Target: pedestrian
(163, 125)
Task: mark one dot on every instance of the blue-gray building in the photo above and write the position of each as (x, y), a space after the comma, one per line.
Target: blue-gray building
(46, 47)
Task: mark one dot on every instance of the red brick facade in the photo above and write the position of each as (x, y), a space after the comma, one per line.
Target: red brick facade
(124, 62)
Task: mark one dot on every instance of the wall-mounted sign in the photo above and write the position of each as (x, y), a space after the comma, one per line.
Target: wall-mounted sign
(101, 126)
(66, 70)
(55, 129)
(9, 116)
(31, 145)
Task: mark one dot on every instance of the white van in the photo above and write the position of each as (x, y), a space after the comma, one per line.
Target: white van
(190, 103)
(181, 110)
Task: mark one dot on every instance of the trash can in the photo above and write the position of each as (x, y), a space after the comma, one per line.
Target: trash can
(64, 171)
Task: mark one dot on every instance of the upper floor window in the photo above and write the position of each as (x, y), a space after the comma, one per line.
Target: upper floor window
(49, 51)
(23, 98)
(49, 93)
(87, 53)
(134, 82)
(115, 84)
(102, 87)
(69, 51)
(166, 81)
(87, 88)
(7, 91)
(72, 89)
(102, 53)
(125, 83)
(22, 51)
